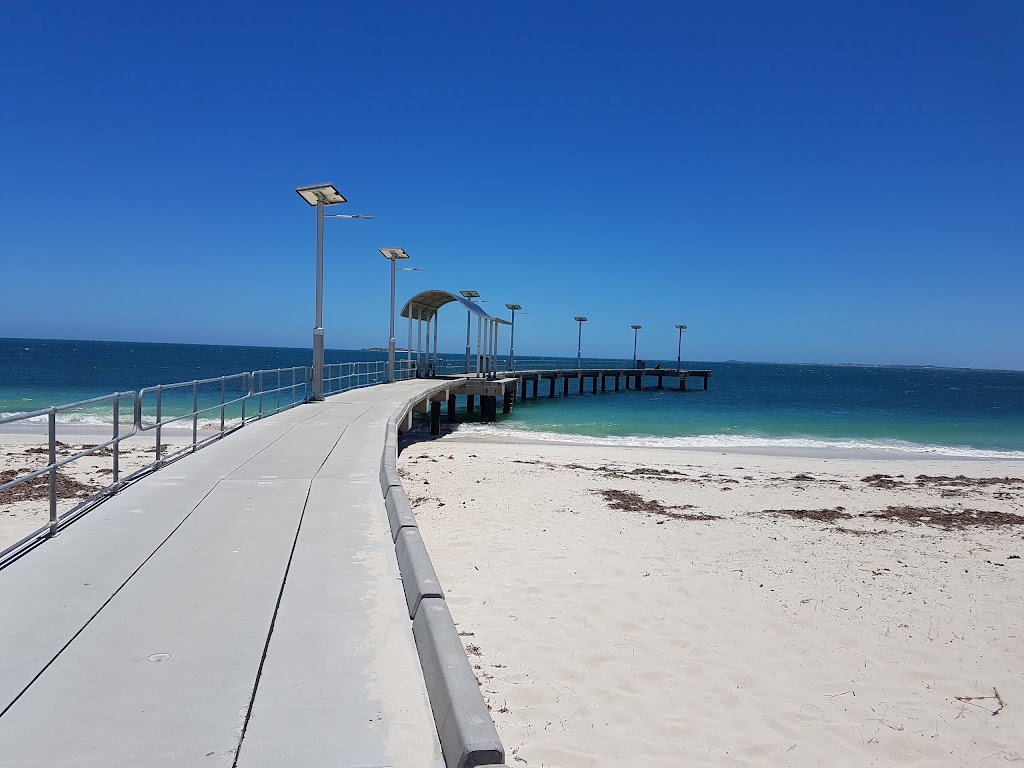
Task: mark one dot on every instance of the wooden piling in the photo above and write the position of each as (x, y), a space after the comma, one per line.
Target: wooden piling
(435, 417)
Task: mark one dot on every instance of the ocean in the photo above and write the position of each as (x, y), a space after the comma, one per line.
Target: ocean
(961, 412)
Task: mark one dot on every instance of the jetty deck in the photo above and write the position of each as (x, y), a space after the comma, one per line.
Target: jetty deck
(242, 606)
(266, 601)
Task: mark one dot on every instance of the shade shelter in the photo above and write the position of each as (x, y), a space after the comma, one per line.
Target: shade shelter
(423, 309)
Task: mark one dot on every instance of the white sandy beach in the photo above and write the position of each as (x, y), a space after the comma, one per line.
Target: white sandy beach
(689, 626)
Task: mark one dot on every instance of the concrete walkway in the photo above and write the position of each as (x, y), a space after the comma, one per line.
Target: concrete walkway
(241, 606)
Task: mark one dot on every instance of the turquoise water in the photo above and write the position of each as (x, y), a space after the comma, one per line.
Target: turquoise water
(960, 410)
(968, 411)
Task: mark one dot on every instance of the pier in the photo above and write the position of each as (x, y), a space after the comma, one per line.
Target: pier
(266, 600)
(629, 378)
(511, 386)
(245, 605)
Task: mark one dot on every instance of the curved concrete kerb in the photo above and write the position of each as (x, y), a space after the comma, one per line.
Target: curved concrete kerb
(464, 726)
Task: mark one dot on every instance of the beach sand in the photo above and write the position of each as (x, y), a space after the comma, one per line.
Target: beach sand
(646, 607)
(25, 508)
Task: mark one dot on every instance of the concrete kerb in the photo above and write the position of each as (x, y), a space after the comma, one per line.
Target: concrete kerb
(399, 510)
(464, 727)
(418, 577)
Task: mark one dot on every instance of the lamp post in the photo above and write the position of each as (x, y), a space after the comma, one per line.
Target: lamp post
(512, 341)
(469, 316)
(579, 342)
(679, 352)
(321, 195)
(636, 329)
(393, 255)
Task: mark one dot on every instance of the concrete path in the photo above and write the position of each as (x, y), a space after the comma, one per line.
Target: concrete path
(241, 606)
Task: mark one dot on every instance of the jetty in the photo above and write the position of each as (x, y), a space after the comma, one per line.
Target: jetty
(630, 377)
(261, 597)
(244, 605)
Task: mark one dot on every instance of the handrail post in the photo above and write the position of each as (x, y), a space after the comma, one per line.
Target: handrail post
(52, 419)
(246, 392)
(292, 393)
(261, 394)
(117, 431)
(222, 380)
(278, 391)
(195, 412)
(159, 419)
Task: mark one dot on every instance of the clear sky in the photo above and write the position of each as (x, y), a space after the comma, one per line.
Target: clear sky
(796, 181)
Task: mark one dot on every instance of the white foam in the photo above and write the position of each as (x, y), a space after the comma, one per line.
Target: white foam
(895, 447)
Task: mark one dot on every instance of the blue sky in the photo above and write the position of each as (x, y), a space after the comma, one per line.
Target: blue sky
(833, 182)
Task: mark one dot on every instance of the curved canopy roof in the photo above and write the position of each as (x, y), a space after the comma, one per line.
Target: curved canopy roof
(425, 305)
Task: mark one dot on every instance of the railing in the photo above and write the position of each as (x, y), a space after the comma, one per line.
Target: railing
(212, 408)
(341, 377)
(280, 381)
(53, 466)
(199, 392)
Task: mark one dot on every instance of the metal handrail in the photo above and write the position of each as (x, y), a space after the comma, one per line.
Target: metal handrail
(281, 384)
(195, 384)
(55, 521)
(257, 390)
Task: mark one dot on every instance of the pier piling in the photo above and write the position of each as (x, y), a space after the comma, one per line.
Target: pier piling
(435, 417)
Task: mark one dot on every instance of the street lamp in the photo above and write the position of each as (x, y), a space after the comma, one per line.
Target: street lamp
(393, 255)
(512, 342)
(635, 328)
(579, 342)
(679, 353)
(469, 316)
(321, 195)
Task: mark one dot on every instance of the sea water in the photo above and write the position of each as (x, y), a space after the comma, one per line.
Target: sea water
(934, 410)
(917, 409)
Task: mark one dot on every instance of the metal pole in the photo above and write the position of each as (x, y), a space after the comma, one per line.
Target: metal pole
(489, 348)
(479, 332)
(195, 413)
(408, 351)
(435, 342)
(469, 317)
(159, 420)
(391, 341)
(117, 443)
(579, 346)
(426, 357)
(635, 331)
(679, 352)
(53, 471)
(318, 330)
(419, 341)
(512, 345)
